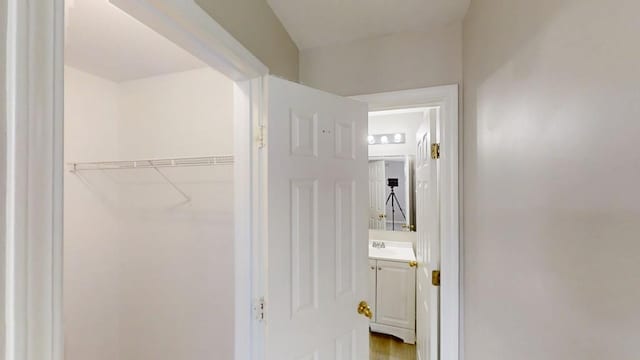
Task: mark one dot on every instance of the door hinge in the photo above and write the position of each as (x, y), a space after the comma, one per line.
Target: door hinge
(260, 136)
(435, 151)
(435, 277)
(258, 309)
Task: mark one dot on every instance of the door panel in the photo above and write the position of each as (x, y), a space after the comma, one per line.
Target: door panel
(317, 224)
(428, 241)
(395, 300)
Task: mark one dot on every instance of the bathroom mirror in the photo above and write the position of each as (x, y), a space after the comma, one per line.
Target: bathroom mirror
(392, 153)
(391, 200)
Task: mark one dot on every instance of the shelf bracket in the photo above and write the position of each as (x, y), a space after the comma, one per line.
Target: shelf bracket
(172, 184)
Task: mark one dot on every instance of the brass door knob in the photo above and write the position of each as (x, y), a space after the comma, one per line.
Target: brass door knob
(364, 309)
(413, 264)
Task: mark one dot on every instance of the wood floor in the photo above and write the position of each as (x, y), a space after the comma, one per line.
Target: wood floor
(383, 347)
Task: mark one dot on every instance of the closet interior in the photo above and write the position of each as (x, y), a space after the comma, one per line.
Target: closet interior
(148, 194)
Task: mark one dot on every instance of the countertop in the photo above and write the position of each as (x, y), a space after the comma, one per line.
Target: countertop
(392, 251)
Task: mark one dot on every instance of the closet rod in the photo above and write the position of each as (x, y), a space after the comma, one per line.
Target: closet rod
(152, 163)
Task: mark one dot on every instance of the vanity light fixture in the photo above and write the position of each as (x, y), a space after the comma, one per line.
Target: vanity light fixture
(387, 139)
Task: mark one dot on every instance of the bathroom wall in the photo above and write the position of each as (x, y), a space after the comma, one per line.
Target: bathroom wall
(156, 268)
(407, 123)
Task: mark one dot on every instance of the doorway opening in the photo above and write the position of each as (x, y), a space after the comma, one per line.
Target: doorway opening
(413, 152)
(148, 194)
(400, 326)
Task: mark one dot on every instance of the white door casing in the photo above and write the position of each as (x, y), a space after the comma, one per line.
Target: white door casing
(377, 193)
(317, 232)
(373, 264)
(445, 98)
(428, 243)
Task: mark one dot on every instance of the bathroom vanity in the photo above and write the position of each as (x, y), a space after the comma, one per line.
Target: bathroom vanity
(392, 289)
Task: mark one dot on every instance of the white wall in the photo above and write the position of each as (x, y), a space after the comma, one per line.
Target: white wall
(178, 267)
(392, 62)
(173, 260)
(551, 174)
(182, 114)
(3, 166)
(91, 300)
(254, 24)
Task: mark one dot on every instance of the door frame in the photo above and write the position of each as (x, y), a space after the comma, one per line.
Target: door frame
(31, 168)
(445, 97)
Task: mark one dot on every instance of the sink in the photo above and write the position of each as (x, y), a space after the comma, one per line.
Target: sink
(391, 250)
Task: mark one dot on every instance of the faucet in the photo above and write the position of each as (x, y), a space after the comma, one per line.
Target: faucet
(378, 244)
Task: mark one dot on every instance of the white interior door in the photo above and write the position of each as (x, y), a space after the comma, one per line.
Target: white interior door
(377, 208)
(428, 243)
(317, 244)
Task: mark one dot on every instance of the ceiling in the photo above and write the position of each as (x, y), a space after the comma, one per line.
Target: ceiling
(315, 23)
(107, 42)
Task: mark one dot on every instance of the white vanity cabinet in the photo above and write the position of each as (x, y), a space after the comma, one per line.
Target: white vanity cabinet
(392, 296)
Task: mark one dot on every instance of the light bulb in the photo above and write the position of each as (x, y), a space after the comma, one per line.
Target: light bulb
(397, 138)
(371, 139)
(384, 139)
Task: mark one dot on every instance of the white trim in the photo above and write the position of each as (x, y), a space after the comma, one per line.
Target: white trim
(185, 23)
(248, 107)
(33, 179)
(34, 161)
(408, 336)
(57, 341)
(409, 110)
(446, 97)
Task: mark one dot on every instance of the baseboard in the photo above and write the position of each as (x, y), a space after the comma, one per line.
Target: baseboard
(407, 335)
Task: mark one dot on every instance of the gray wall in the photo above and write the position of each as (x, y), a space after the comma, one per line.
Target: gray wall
(551, 176)
(387, 63)
(253, 23)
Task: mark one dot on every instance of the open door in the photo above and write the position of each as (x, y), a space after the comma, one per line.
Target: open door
(317, 225)
(428, 243)
(377, 193)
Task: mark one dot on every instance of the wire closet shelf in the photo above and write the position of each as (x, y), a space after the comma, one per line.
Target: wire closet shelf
(156, 165)
(152, 163)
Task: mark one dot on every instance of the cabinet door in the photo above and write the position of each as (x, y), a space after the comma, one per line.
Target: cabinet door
(372, 288)
(396, 294)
